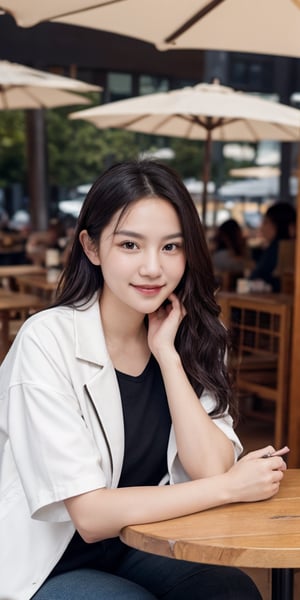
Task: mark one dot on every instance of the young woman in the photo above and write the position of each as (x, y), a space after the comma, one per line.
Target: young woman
(100, 407)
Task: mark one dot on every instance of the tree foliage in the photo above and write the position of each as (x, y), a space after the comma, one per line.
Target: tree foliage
(12, 147)
(78, 151)
(189, 156)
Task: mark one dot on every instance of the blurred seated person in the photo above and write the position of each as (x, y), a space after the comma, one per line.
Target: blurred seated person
(230, 251)
(278, 224)
(67, 242)
(57, 235)
(12, 241)
(39, 241)
(230, 255)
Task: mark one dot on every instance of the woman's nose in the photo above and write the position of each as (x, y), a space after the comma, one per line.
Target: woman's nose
(150, 265)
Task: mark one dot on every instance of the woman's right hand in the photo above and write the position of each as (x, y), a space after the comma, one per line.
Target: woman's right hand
(256, 476)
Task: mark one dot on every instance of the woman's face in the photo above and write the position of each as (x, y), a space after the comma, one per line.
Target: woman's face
(142, 255)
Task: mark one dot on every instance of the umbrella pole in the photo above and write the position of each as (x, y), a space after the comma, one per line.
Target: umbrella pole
(37, 168)
(206, 173)
(294, 407)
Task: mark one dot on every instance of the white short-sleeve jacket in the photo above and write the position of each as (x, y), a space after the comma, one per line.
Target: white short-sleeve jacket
(61, 434)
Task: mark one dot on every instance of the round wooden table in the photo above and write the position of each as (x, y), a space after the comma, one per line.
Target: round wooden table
(37, 283)
(258, 534)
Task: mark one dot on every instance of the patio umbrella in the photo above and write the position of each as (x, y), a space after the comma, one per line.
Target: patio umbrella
(24, 88)
(261, 26)
(204, 112)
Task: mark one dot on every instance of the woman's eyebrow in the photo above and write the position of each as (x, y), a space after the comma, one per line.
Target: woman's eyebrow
(170, 236)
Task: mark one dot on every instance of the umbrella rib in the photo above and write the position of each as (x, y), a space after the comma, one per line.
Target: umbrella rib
(279, 126)
(82, 10)
(191, 119)
(190, 22)
(163, 122)
(126, 123)
(250, 128)
(209, 124)
(34, 98)
(284, 128)
(135, 120)
(4, 89)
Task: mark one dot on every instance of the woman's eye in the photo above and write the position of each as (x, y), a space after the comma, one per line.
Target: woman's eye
(129, 245)
(170, 247)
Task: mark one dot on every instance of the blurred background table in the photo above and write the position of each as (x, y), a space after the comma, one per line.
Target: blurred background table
(8, 273)
(37, 283)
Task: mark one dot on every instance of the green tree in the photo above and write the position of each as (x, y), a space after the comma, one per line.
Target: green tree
(189, 155)
(12, 147)
(78, 151)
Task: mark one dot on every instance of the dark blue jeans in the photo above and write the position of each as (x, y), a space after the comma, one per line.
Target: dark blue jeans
(136, 575)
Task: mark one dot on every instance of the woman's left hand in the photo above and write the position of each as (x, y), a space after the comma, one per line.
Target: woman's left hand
(163, 326)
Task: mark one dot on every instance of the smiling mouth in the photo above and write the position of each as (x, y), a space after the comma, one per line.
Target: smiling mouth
(148, 289)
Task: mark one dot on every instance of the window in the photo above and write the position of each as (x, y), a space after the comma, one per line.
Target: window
(119, 86)
(150, 85)
(247, 74)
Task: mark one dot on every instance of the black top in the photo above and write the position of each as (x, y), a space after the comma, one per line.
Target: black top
(147, 425)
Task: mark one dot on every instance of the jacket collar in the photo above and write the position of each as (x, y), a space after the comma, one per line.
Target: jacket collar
(102, 386)
(89, 337)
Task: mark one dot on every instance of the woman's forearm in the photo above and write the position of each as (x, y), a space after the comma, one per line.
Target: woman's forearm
(204, 449)
(102, 513)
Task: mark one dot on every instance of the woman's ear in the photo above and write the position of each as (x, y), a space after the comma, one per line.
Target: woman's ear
(89, 248)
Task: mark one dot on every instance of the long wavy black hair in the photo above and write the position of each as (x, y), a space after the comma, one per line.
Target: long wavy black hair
(201, 340)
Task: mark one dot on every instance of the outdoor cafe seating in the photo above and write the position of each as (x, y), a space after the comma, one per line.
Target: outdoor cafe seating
(12, 248)
(261, 326)
(286, 265)
(16, 304)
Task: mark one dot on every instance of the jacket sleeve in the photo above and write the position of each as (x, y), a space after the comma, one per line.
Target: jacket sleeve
(54, 452)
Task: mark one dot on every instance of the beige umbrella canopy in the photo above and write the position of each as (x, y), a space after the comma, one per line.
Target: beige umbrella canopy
(263, 26)
(24, 88)
(204, 112)
(263, 172)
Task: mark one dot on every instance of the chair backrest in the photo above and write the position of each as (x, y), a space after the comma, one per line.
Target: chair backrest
(285, 268)
(260, 326)
(286, 256)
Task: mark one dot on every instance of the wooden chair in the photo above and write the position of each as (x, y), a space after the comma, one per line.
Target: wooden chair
(285, 268)
(226, 280)
(260, 326)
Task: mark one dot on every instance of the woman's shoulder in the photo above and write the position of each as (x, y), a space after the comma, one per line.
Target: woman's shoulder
(60, 324)
(42, 334)
(43, 328)
(49, 315)
(56, 316)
